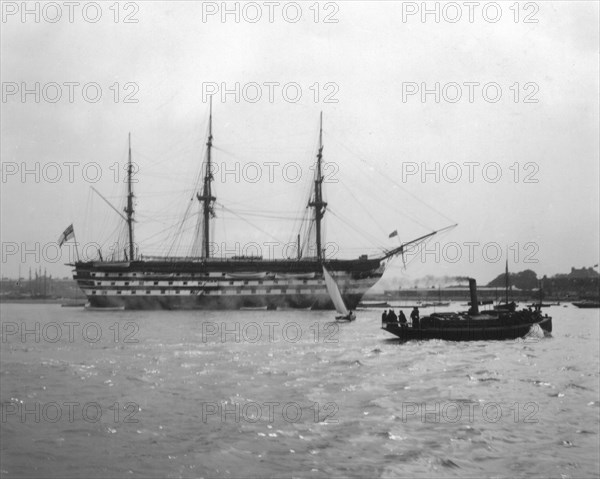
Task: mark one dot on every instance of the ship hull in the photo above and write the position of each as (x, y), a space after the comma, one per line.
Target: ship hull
(300, 301)
(223, 285)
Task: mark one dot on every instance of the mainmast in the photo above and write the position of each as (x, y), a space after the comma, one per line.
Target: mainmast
(207, 198)
(318, 204)
(129, 208)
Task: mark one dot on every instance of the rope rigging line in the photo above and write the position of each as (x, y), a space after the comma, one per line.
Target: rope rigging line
(388, 178)
(385, 199)
(381, 198)
(176, 241)
(372, 239)
(365, 210)
(246, 221)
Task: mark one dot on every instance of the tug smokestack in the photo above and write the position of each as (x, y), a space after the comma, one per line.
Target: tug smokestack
(474, 303)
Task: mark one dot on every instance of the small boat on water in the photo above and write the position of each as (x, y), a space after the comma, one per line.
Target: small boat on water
(472, 325)
(407, 306)
(435, 304)
(587, 303)
(373, 304)
(287, 308)
(88, 307)
(542, 305)
(481, 303)
(74, 304)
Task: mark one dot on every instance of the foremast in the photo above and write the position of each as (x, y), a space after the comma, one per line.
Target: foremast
(206, 198)
(129, 208)
(318, 204)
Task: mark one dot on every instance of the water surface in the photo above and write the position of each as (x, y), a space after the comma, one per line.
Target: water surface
(290, 394)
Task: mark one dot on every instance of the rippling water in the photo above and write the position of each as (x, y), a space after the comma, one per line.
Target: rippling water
(290, 394)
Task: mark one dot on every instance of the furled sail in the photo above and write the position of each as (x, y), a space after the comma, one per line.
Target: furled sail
(334, 293)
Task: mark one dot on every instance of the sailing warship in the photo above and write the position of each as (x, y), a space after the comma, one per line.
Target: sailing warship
(202, 281)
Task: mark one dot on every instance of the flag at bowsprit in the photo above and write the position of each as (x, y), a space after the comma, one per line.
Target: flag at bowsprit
(393, 233)
(66, 235)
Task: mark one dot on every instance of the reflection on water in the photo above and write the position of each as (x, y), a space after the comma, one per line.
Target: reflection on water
(290, 393)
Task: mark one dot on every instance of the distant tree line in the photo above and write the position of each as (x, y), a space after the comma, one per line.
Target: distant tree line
(579, 282)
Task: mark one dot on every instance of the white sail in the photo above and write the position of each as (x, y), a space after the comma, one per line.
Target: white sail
(334, 293)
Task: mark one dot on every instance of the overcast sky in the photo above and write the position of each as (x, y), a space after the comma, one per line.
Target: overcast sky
(517, 97)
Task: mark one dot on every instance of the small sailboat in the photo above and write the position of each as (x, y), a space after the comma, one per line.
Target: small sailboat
(336, 298)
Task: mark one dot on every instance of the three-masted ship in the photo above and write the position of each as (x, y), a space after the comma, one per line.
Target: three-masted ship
(206, 282)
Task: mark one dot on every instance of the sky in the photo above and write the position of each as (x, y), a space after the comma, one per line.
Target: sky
(485, 118)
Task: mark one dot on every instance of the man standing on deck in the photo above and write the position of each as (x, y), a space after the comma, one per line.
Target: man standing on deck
(414, 316)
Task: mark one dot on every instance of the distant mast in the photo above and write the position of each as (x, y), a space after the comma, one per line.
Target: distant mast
(318, 204)
(129, 208)
(207, 198)
(506, 281)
